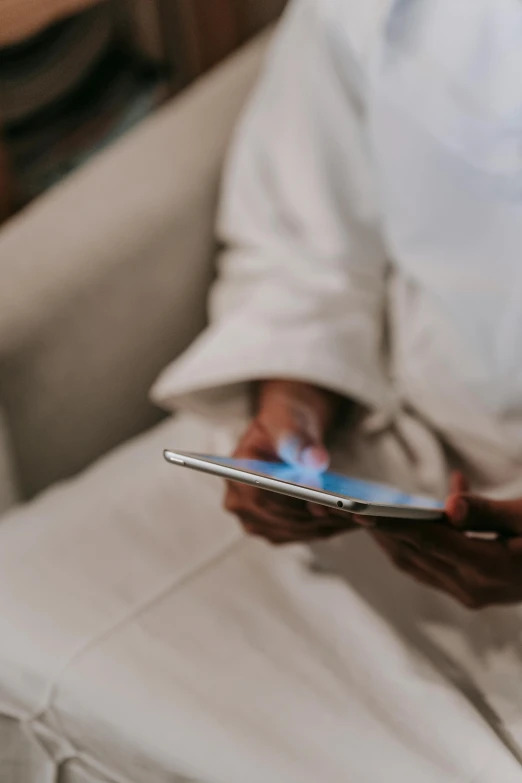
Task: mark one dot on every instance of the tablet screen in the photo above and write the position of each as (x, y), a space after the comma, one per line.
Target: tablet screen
(336, 483)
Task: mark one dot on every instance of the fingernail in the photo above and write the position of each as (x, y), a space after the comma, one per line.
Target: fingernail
(315, 457)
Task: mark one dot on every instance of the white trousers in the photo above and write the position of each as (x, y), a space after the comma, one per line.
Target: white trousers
(145, 639)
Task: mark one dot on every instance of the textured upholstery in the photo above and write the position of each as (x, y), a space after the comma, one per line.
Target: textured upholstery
(105, 280)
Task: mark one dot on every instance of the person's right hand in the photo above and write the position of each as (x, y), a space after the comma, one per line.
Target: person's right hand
(292, 422)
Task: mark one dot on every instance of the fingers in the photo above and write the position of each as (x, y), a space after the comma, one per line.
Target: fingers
(290, 426)
(475, 573)
(405, 553)
(478, 514)
(279, 536)
(241, 498)
(432, 572)
(296, 441)
(297, 449)
(278, 519)
(279, 530)
(456, 505)
(295, 422)
(285, 437)
(447, 545)
(481, 514)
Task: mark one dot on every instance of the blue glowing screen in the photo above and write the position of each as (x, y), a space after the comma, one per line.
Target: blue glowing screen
(352, 488)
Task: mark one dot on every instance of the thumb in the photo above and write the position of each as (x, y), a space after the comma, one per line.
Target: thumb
(297, 433)
(470, 512)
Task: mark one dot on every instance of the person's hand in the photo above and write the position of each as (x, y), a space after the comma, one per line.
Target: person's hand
(291, 425)
(477, 573)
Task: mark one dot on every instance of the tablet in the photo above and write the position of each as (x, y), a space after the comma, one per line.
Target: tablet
(330, 489)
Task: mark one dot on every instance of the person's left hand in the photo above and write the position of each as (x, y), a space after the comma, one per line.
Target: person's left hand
(476, 573)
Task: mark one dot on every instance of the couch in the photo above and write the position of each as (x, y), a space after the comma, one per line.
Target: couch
(104, 282)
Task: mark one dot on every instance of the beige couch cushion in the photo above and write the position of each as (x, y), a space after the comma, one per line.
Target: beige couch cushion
(105, 280)
(143, 635)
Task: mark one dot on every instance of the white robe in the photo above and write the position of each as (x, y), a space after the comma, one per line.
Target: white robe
(374, 182)
(377, 176)
(373, 213)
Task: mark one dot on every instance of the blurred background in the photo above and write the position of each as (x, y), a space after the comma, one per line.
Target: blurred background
(77, 74)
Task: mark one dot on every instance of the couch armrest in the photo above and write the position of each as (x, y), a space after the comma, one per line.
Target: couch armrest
(104, 280)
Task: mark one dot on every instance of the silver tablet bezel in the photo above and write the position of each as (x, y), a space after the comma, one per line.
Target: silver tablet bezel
(205, 464)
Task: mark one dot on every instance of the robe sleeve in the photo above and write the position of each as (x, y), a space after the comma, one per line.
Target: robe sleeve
(300, 292)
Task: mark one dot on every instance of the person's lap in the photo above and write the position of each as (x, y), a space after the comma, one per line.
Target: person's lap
(147, 633)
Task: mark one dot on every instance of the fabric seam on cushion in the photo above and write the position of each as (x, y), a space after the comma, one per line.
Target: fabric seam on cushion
(178, 581)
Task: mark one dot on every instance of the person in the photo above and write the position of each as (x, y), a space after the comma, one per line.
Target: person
(372, 183)
(367, 314)
(368, 305)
